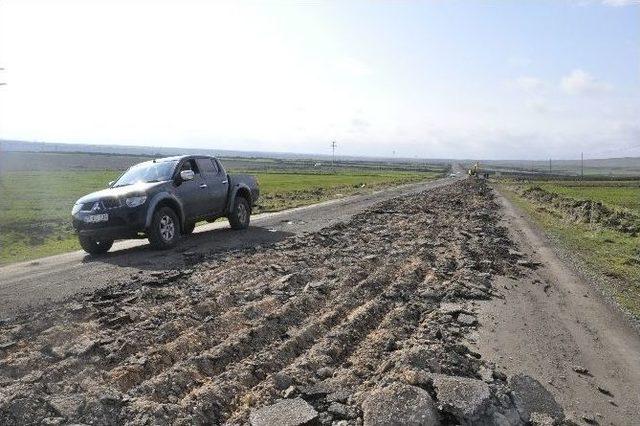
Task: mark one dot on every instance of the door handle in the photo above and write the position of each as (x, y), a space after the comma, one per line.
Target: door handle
(225, 181)
(203, 186)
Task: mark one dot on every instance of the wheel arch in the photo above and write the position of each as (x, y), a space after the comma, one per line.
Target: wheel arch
(165, 200)
(240, 191)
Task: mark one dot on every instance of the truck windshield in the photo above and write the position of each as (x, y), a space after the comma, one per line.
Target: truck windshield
(147, 172)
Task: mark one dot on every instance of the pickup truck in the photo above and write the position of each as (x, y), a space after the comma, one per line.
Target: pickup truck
(161, 200)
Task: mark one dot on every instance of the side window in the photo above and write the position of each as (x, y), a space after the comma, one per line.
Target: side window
(206, 166)
(190, 165)
(215, 166)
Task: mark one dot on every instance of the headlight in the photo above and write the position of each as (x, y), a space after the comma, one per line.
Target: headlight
(76, 208)
(136, 201)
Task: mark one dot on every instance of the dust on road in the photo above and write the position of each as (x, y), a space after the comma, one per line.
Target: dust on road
(329, 327)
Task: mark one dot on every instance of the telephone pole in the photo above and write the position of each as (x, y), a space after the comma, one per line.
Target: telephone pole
(549, 165)
(582, 165)
(333, 153)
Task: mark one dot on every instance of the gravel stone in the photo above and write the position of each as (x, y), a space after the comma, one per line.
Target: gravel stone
(531, 397)
(399, 404)
(463, 397)
(288, 412)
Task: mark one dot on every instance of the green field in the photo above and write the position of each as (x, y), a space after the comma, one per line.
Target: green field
(35, 205)
(606, 253)
(617, 194)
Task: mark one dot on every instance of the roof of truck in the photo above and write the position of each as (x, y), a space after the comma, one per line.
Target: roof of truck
(180, 157)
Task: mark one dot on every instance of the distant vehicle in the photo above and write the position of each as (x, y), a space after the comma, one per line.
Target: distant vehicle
(162, 200)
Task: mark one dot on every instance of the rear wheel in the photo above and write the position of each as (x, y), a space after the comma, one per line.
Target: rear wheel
(164, 232)
(94, 246)
(241, 214)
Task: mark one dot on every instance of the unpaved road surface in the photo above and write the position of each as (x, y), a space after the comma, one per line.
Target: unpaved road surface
(422, 309)
(56, 277)
(362, 322)
(553, 324)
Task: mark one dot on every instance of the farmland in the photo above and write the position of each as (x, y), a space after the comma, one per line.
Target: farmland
(612, 257)
(619, 194)
(40, 188)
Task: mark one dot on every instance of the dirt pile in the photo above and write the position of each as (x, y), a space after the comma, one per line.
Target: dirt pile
(586, 211)
(326, 326)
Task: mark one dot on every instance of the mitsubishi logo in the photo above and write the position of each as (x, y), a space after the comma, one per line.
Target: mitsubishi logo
(95, 207)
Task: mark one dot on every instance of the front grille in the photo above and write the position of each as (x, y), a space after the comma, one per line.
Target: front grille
(104, 204)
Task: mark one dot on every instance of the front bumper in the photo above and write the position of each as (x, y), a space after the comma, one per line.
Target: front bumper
(124, 222)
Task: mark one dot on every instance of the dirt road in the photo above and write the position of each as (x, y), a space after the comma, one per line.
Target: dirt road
(554, 325)
(57, 277)
(422, 309)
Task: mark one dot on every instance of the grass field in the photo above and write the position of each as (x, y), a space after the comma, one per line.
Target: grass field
(605, 253)
(617, 194)
(35, 205)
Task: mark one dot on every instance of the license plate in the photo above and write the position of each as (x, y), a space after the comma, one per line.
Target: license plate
(94, 218)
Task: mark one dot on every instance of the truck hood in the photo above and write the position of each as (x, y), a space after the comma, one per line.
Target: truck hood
(140, 188)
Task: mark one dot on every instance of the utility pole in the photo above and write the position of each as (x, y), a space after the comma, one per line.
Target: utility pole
(582, 165)
(549, 165)
(333, 153)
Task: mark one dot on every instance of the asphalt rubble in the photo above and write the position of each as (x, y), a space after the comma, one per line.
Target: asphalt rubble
(362, 323)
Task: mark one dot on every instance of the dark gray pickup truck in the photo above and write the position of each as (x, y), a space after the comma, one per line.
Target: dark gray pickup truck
(162, 200)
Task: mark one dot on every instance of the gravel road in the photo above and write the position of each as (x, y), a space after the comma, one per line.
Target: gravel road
(363, 322)
(430, 304)
(556, 325)
(56, 277)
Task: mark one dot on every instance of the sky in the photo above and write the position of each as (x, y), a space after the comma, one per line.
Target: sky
(429, 79)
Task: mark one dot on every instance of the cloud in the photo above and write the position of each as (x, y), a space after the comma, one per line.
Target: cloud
(354, 67)
(580, 82)
(619, 3)
(360, 124)
(529, 84)
(613, 3)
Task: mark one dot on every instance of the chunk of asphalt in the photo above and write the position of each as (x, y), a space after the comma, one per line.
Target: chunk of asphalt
(463, 397)
(531, 397)
(399, 404)
(288, 412)
(465, 319)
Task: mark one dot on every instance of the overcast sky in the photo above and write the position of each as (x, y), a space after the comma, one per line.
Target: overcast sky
(482, 79)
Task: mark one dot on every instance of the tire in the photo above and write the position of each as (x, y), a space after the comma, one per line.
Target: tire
(188, 228)
(93, 246)
(164, 232)
(241, 214)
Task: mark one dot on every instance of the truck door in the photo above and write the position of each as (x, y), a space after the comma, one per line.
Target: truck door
(193, 193)
(217, 182)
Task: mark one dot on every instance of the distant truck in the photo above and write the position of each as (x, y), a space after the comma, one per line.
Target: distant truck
(161, 200)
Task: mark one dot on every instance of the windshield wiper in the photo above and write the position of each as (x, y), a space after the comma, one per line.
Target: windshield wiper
(118, 186)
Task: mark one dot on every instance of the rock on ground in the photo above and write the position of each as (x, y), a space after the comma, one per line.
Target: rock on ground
(465, 398)
(399, 404)
(288, 412)
(531, 397)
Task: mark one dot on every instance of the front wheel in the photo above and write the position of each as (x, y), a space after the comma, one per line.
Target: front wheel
(165, 229)
(241, 214)
(94, 246)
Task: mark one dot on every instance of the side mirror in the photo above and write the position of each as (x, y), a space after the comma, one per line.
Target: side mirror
(187, 175)
(110, 184)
